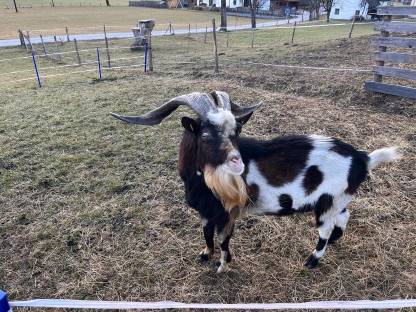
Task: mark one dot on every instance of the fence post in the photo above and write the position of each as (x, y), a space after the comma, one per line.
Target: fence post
(252, 37)
(43, 45)
(36, 69)
(99, 63)
(106, 48)
(145, 57)
(67, 34)
(303, 11)
(22, 39)
(352, 27)
(196, 28)
(77, 51)
(149, 50)
(28, 41)
(228, 37)
(170, 28)
(206, 32)
(215, 45)
(377, 77)
(189, 29)
(59, 57)
(293, 33)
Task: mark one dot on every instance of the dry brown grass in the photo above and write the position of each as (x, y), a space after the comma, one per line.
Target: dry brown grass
(79, 20)
(94, 208)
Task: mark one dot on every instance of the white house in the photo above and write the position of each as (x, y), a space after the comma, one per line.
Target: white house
(346, 9)
(264, 4)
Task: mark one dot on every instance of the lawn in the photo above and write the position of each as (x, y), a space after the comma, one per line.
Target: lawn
(93, 208)
(48, 20)
(43, 3)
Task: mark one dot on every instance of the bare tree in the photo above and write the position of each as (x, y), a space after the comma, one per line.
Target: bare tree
(253, 13)
(313, 7)
(223, 15)
(107, 2)
(328, 4)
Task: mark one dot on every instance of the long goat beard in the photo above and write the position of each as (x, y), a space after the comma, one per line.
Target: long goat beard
(230, 189)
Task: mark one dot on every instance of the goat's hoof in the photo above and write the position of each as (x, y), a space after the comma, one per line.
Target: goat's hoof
(205, 255)
(311, 262)
(222, 267)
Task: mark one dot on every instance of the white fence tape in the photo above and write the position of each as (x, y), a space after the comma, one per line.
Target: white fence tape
(126, 305)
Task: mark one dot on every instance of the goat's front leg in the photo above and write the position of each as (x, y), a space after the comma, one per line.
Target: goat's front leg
(224, 237)
(209, 231)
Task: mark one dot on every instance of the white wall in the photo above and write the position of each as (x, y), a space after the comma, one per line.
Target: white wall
(347, 9)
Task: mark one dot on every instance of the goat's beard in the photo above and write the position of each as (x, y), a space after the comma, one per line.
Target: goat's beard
(230, 189)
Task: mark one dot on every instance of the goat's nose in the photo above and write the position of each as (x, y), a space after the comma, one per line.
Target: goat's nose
(235, 159)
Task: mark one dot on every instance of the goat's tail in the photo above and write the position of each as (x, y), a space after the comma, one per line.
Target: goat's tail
(386, 154)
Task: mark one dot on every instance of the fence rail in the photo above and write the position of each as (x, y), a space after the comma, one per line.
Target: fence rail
(387, 27)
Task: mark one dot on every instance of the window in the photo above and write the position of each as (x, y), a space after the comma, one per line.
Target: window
(357, 12)
(336, 11)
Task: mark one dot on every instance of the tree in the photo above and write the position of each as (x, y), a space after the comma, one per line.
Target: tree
(328, 4)
(107, 2)
(223, 15)
(253, 13)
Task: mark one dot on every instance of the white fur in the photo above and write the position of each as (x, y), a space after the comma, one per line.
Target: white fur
(386, 154)
(224, 119)
(334, 167)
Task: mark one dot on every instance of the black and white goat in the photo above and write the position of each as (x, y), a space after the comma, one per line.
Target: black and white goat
(225, 175)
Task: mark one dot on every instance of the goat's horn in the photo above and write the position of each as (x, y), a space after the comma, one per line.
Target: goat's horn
(240, 111)
(201, 103)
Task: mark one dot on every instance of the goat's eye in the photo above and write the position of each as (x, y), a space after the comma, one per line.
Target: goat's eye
(205, 135)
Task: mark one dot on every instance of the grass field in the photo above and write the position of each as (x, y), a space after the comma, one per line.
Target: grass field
(93, 208)
(79, 20)
(44, 3)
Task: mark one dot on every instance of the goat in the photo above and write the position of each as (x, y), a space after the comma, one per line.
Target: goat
(225, 174)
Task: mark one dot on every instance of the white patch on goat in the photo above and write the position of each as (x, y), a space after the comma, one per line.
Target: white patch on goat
(223, 119)
(342, 219)
(334, 167)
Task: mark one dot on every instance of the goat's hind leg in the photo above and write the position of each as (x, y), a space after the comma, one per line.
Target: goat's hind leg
(325, 220)
(340, 226)
(209, 231)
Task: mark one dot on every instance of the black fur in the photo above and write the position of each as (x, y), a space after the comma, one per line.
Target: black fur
(313, 178)
(336, 234)
(359, 166)
(323, 204)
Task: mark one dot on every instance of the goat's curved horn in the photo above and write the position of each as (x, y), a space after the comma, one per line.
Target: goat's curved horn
(198, 102)
(223, 100)
(240, 111)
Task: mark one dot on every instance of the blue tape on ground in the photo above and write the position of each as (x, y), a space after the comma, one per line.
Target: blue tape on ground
(4, 303)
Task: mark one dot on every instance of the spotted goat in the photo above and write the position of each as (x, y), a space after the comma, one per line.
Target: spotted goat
(226, 175)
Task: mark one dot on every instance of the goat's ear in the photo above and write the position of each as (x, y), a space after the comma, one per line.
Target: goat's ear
(190, 124)
(243, 119)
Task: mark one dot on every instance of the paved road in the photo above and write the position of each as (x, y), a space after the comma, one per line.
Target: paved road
(112, 35)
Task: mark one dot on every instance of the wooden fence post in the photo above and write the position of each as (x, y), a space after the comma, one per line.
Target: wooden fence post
(206, 32)
(189, 29)
(293, 33)
(58, 54)
(28, 41)
(352, 27)
(215, 46)
(377, 77)
(77, 51)
(43, 45)
(149, 51)
(228, 33)
(67, 34)
(252, 37)
(106, 48)
(22, 39)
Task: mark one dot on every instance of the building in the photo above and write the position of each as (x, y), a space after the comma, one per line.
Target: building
(263, 4)
(347, 9)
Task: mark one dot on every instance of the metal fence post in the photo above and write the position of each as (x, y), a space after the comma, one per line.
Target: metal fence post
(99, 63)
(36, 69)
